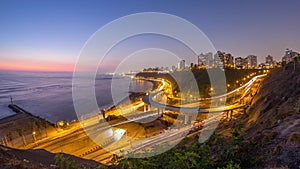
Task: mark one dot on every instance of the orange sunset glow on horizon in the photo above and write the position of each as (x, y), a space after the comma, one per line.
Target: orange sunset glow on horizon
(37, 66)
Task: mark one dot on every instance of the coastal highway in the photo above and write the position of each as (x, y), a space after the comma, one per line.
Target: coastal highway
(75, 140)
(178, 134)
(194, 107)
(129, 145)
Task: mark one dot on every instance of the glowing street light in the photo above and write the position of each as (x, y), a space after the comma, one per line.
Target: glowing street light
(61, 123)
(33, 135)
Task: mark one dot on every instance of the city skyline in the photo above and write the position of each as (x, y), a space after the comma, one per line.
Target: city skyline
(48, 36)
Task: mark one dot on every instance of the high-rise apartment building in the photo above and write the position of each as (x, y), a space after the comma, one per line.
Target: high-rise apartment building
(181, 65)
(252, 61)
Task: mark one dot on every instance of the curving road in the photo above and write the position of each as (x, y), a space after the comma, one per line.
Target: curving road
(148, 99)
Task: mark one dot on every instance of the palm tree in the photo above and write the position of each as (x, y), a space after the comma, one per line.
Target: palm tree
(31, 129)
(45, 125)
(20, 131)
(38, 125)
(9, 136)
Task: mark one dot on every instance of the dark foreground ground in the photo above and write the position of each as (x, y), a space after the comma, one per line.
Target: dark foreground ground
(36, 159)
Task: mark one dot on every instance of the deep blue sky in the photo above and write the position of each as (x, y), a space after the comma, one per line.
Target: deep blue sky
(51, 33)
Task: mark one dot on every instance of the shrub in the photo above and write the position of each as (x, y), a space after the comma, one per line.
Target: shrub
(297, 107)
(64, 162)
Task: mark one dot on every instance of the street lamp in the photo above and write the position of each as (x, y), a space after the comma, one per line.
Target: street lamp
(61, 123)
(33, 135)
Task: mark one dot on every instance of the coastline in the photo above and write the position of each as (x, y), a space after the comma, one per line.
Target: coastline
(35, 132)
(133, 95)
(22, 129)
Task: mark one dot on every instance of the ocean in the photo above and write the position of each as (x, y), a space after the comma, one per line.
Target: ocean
(49, 94)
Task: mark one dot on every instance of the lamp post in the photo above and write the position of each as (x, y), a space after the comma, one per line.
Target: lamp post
(33, 135)
(11, 100)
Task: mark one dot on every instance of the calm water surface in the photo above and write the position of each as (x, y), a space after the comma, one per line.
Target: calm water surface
(49, 95)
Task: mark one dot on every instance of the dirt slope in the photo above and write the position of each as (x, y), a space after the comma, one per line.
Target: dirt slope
(273, 120)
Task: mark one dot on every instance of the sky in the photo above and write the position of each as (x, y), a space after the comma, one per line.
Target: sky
(49, 35)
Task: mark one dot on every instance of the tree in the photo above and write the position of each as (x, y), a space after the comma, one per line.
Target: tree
(30, 127)
(9, 136)
(20, 131)
(45, 125)
(38, 125)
